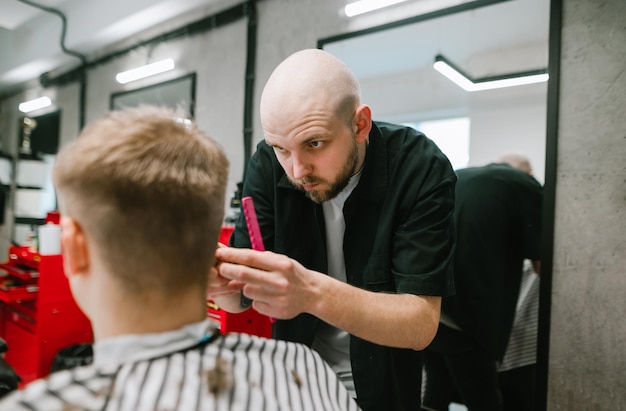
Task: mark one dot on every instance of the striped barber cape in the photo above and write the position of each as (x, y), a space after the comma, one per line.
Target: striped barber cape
(193, 368)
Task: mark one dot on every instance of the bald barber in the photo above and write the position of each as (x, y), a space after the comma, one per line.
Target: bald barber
(357, 215)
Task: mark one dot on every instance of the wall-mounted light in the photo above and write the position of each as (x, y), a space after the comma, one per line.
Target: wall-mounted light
(467, 83)
(145, 71)
(364, 6)
(36, 104)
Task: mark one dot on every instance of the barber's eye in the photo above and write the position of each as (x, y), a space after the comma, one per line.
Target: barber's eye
(315, 143)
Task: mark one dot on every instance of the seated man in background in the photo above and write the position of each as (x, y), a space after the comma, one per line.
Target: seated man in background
(498, 219)
(141, 195)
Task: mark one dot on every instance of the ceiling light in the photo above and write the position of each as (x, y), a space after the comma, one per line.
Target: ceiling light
(364, 6)
(145, 71)
(511, 82)
(467, 83)
(36, 104)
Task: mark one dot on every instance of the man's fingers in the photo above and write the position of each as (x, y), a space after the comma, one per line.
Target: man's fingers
(224, 288)
(263, 260)
(243, 274)
(212, 293)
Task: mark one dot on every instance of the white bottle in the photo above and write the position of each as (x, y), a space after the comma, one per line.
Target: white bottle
(50, 239)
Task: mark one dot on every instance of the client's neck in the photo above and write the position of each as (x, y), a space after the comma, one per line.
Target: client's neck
(149, 313)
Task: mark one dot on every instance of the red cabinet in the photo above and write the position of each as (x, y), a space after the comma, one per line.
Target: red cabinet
(38, 313)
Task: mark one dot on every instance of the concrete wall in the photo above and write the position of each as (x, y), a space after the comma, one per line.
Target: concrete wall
(587, 362)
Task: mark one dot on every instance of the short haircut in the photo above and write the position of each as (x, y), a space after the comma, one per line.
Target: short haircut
(148, 189)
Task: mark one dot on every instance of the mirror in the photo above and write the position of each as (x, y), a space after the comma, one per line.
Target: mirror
(485, 39)
(176, 94)
(394, 64)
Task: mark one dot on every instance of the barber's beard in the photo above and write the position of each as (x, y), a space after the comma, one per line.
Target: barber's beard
(335, 187)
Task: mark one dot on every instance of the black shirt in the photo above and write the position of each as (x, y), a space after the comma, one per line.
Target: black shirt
(399, 238)
(498, 222)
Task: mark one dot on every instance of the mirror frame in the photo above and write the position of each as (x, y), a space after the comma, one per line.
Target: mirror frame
(549, 187)
(549, 203)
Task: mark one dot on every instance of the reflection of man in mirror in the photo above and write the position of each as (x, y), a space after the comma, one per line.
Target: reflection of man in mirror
(358, 214)
(498, 220)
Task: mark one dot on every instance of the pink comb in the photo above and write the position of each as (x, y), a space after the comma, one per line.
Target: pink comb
(256, 240)
(254, 232)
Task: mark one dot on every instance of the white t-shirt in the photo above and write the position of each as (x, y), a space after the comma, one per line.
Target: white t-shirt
(330, 342)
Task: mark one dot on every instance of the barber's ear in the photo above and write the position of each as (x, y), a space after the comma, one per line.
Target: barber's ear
(74, 247)
(363, 122)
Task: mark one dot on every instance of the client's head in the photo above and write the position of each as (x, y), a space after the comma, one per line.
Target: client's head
(519, 161)
(141, 194)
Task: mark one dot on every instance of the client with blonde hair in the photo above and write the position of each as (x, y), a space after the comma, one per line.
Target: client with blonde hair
(141, 194)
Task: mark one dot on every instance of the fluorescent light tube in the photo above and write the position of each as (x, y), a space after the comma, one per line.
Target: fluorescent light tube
(36, 104)
(510, 82)
(364, 6)
(467, 83)
(453, 75)
(145, 71)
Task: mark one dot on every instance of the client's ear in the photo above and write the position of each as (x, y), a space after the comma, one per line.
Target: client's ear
(73, 247)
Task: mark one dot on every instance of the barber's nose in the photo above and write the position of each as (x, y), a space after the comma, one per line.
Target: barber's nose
(300, 167)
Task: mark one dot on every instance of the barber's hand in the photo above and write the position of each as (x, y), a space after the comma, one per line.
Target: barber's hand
(279, 286)
(219, 286)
